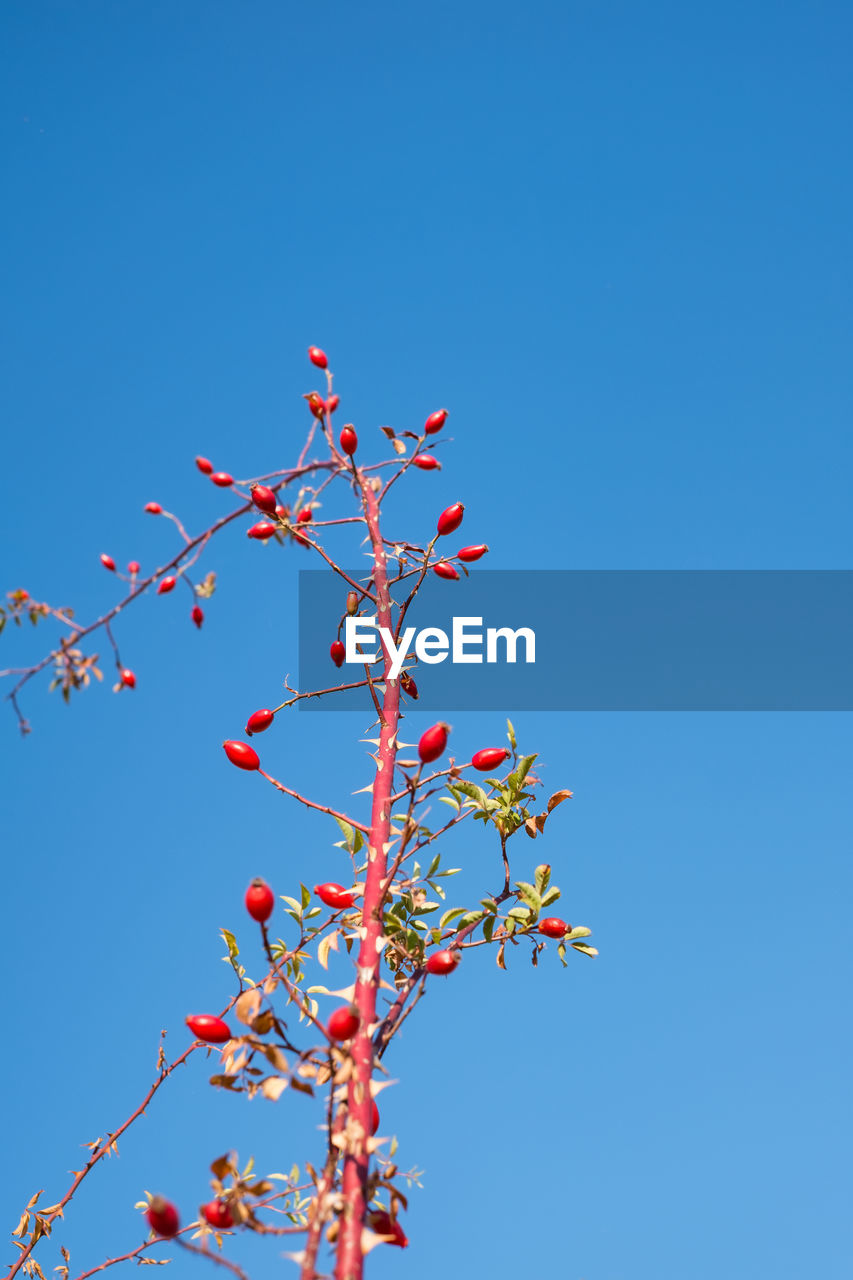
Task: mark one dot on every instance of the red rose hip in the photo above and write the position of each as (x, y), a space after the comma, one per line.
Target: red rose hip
(334, 895)
(472, 553)
(259, 721)
(344, 1022)
(382, 1224)
(554, 927)
(426, 462)
(128, 678)
(153, 508)
(489, 758)
(441, 963)
(316, 403)
(264, 499)
(260, 900)
(217, 1214)
(338, 652)
(349, 440)
(222, 479)
(374, 1117)
(435, 422)
(166, 585)
(318, 357)
(445, 570)
(108, 562)
(432, 744)
(450, 519)
(204, 465)
(207, 1027)
(408, 685)
(163, 1217)
(332, 403)
(241, 754)
(197, 615)
(262, 530)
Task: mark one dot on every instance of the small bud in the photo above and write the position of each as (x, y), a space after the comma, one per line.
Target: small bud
(352, 602)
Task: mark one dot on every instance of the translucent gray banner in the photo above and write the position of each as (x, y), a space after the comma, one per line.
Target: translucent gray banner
(608, 640)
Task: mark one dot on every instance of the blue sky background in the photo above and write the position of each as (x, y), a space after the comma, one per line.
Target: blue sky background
(615, 241)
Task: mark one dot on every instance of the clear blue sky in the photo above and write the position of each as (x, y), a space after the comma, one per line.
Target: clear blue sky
(615, 241)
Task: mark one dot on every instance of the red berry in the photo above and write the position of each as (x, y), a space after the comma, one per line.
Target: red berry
(217, 1214)
(344, 1022)
(301, 539)
(264, 499)
(222, 479)
(338, 652)
(332, 403)
(241, 754)
(334, 895)
(204, 465)
(442, 962)
(133, 568)
(163, 1217)
(374, 1117)
(260, 900)
(433, 743)
(283, 513)
(489, 758)
(153, 508)
(207, 1027)
(306, 515)
(259, 720)
(554, 927)
(108, 563)
(408, 685)
(472, 553)
(316, 403)
(445, 570)
(426, 462)
(450, 519)
(262, 530)
(166, 585)
(318, 357)
(197, 615)
(349, 440)
(435, 422)
(382, 1224)
(128, 678)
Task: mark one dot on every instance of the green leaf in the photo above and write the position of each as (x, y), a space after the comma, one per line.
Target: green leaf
(306, 896)
(519, 913)
(489, 927)
(587, 951)
(530, 896)
(470, 917)
(453, 914)
(578, 932)
(550, 896)
(510, 733)
(542, 876)
(433, 866)
(348, 833)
